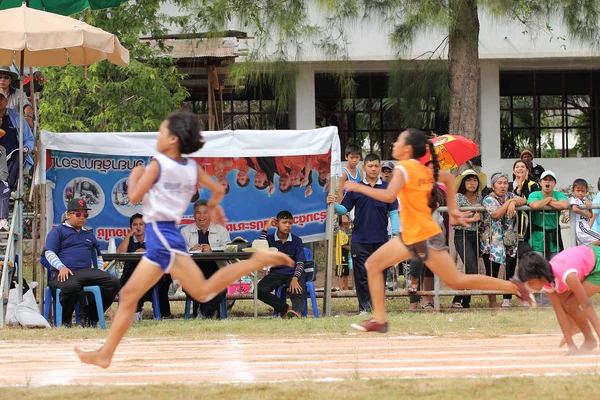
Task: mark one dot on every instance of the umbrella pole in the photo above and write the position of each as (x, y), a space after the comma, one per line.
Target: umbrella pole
(20, 195)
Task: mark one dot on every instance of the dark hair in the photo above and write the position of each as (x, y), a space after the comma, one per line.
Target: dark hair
(580, 182)
(283, 214)
(286, 189)
(486, 191)
(462, 189)
(371, 157)
(341, 218)
(323, 182)
(200, 203)
(418, 141)
(534, 266)
(134, 217)
(186, 127)
(530, 176)
(242, 184)
(227, 188)
(353, 149)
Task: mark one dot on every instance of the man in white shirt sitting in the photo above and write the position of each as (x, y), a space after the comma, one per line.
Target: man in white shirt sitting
(205, 236)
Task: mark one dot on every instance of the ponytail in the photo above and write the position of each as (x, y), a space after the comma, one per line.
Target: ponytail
(433, 200)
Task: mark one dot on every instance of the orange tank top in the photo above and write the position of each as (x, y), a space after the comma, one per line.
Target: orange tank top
(415, 214)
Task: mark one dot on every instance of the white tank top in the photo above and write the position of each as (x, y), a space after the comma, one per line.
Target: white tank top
(170, 195)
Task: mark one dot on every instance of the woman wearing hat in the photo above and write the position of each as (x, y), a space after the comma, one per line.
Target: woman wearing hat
(499, 238)
(466, 239)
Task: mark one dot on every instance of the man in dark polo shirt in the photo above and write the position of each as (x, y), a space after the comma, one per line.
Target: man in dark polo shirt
(294, 278)
(369, 231)
(68, 251)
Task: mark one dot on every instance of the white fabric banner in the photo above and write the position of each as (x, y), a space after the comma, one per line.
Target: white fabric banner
(238, 143)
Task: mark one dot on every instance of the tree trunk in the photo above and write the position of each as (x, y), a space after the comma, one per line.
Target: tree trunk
(463, 55)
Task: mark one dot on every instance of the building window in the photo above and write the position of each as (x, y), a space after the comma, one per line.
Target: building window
(371, 119)
(555, 114)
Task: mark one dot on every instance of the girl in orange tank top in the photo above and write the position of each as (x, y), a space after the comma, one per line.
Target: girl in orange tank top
(421, 236)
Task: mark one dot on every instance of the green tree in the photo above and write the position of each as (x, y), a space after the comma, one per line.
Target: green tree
(447, 75)
(108, 98)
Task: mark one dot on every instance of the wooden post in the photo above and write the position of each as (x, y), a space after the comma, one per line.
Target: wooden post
(330, 250)
(211, 126)
(42, 284)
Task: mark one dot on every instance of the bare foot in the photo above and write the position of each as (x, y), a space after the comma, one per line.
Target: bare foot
(574, 351)
(269, 258)
(563, 341)
(93, 357)
(588, 346)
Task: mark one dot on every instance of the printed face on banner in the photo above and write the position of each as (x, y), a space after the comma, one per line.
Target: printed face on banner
(257, 188)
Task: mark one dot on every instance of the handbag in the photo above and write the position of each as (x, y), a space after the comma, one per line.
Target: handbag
(509, 234)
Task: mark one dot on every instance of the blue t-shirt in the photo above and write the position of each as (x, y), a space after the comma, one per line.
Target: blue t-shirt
(596, 226)
(371, 216)
(73, 248)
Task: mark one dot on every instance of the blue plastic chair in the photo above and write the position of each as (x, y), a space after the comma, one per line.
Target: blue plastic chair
(188, 306)
(155, 302)
(281, 292)
(95, 290)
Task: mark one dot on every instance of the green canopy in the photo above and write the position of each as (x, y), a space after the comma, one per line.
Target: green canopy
(62, 7)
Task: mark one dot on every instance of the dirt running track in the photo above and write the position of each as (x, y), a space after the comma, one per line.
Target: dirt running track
(236, 359)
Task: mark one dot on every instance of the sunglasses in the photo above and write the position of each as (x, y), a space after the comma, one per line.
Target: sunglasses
(80, 214)
(5, 77)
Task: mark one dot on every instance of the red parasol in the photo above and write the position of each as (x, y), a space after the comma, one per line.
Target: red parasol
(452, 151)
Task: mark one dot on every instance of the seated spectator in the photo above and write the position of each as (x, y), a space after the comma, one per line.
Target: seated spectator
(68, 251)
(206, 236)
(499, 239)
(4, 190)
(585, 234)
(14, 94)
(134, 242)
(294, 278)
(9, 123)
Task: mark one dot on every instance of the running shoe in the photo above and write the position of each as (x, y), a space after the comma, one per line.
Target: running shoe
(370, 325)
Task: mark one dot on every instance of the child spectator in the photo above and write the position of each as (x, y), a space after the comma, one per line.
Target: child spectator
(342, 250)
(595, 223)
(350, 172)
(585, 235)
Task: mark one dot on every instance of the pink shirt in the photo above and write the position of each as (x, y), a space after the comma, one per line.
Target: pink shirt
(580, 260)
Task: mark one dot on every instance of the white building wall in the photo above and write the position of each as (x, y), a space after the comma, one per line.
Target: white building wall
(502, 46)
(302, 110)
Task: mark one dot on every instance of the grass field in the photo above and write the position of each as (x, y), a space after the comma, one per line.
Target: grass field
(478, 326)
(578, 386)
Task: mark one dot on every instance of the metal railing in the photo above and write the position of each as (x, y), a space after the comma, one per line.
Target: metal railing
(9, 260)
(524, 214)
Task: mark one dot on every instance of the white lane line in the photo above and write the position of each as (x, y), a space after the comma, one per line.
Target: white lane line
(237, 368)
(242, 368)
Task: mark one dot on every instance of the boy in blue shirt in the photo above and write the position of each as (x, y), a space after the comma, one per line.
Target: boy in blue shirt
(285, 242)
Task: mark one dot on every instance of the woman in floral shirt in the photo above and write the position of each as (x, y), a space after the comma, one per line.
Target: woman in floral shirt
(498, 231)
(466, 239)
